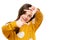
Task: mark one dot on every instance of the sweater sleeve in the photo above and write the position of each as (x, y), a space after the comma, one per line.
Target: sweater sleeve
(38, 20)
(7, 29)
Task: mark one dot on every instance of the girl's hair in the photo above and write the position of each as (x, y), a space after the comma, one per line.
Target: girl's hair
(21, 11)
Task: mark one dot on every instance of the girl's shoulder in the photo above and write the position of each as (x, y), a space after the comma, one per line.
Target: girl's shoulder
(12, 23)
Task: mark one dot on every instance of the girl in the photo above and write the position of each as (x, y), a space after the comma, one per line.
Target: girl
(24, 27)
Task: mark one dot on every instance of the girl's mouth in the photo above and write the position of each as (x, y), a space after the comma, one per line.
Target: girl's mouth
(24, 19)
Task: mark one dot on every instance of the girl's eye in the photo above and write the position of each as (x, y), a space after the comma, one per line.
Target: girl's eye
(29, 15)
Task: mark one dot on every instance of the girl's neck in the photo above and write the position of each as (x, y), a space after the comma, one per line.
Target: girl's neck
(19, 23)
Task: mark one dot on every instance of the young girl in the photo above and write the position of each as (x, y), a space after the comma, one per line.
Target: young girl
(24, 27)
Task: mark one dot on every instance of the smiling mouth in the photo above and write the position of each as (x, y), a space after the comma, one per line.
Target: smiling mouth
(24, 19)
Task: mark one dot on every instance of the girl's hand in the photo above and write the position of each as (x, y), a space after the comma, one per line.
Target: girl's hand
(33, 9)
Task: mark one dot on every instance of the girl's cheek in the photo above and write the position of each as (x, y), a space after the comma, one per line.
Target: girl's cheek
(21, 18)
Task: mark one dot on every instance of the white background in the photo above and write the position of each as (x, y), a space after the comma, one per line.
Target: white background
(50, 27)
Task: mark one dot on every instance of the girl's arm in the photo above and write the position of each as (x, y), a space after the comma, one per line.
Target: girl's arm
(8, 29)
(38, 20)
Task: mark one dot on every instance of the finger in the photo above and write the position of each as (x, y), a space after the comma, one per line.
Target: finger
(26, 10)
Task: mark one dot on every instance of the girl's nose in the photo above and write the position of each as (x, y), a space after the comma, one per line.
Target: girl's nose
(26, 17)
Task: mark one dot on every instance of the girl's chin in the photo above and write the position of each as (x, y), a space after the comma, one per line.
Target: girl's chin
(25, 21)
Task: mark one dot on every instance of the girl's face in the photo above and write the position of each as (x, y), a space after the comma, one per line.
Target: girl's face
(28, 15)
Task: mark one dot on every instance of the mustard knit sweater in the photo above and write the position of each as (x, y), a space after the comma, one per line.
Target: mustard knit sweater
(26, 32)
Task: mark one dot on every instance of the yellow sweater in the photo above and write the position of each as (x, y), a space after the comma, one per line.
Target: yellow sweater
(26, 32)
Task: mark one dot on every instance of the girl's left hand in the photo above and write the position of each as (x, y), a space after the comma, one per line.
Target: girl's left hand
(33, 9)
